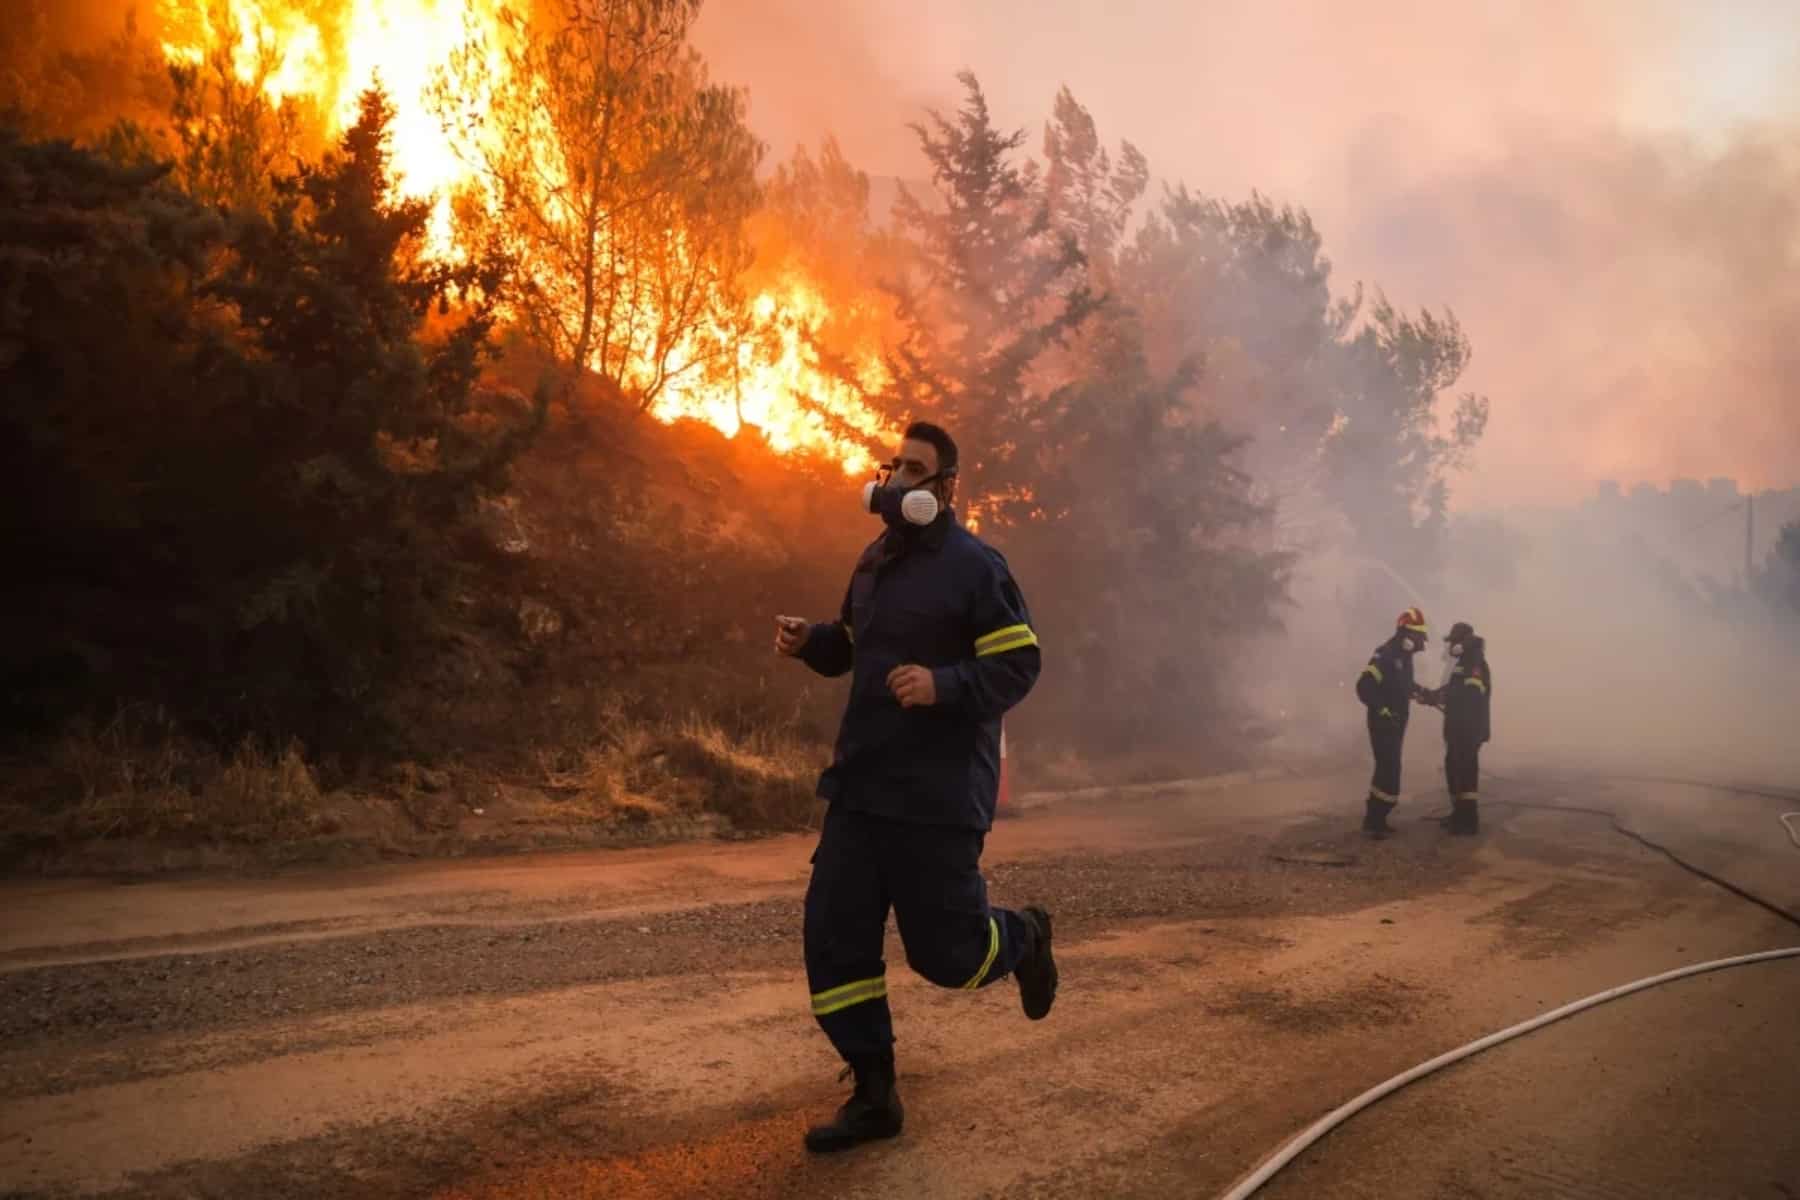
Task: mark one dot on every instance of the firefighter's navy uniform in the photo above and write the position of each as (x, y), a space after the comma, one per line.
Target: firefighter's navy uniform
(1385, 688)
(912, 790)
(1466, 699)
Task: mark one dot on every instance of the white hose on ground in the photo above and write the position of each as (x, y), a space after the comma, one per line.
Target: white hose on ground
(1787, 819)
(1333, 1119)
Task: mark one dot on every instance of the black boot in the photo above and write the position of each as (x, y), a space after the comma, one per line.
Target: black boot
(1465, 817)
(1036, 972)
(1375, 816)
(872, 1112)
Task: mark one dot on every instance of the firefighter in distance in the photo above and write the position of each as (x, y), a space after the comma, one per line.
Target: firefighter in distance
(1387, 690)
(1466, 699)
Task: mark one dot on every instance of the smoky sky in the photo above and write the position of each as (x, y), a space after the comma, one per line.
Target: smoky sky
(1607, 193)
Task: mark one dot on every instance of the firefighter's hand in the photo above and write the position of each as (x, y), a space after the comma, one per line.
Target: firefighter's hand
(913, 687)
(790, 635)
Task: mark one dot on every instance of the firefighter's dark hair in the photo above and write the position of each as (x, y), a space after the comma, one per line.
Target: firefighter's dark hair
(935, 437)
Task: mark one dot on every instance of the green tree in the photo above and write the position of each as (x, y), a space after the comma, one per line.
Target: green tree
(1387, 461)
(618, 178)
(988, 286)
(360, 377)
(1094, 470)
(1089, 199)
(1152, 550)
(248, 482)
(1346, 402)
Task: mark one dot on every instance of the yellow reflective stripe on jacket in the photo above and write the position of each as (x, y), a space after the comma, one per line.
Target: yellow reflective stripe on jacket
(1472, 681)
(1374, 670)
(848, 632)
(859, 992)
(987, 963)
(1013, 637)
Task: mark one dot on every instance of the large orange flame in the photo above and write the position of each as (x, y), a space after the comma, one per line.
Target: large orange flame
(330, 50)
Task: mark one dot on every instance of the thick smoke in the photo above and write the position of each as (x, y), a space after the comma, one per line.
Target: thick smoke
(1609, 653)
(1631, 299)
(1604, 194)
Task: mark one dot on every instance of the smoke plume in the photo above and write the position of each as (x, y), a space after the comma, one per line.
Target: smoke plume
(1604, 194)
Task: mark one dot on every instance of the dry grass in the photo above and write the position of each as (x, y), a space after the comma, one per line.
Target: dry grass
(138, 777)
(637, 772)
(136, 793)
(761, 781)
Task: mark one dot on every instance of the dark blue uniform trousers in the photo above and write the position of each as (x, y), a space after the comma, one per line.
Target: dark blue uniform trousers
(931, 876)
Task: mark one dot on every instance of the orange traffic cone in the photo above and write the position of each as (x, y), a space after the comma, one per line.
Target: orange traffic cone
(1003, 805)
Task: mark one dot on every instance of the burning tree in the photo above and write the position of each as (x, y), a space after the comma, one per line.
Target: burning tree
(617, 177)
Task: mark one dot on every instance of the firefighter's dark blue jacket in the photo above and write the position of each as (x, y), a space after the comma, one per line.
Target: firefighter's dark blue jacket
(1386, 684)
(1467, 697)
(935, 597)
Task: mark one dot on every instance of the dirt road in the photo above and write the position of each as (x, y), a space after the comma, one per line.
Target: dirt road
(633, 1024)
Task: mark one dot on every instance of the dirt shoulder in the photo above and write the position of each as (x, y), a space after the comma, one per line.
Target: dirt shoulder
(160, 809)
(632, 1023)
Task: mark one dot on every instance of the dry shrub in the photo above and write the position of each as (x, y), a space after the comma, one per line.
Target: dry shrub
(760, 781)
(138, 776)
(259, 795)
(641, 770)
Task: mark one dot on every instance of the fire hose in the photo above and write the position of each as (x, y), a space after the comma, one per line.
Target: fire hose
(1324, 1125)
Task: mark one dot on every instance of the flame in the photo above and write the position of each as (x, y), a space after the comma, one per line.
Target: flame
(329, 51)
(789, 395)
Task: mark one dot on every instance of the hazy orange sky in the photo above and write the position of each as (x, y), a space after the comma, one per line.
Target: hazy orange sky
(1607, 192)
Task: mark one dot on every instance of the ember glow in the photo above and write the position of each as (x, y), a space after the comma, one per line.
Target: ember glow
(326, 52)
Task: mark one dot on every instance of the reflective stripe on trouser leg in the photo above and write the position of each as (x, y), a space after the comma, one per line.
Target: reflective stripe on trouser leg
(938, 950)
(860, 991)
(953, 937)
(1009, 940)
(859, 1026)
(987, 964)
(846, 917)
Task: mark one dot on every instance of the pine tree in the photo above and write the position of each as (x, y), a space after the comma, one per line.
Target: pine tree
(989, 287)
(246, 483)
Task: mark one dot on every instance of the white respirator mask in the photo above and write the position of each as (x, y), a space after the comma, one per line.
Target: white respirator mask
(915, 506)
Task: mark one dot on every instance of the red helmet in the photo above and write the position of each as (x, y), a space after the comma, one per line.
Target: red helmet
(1412, 620)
